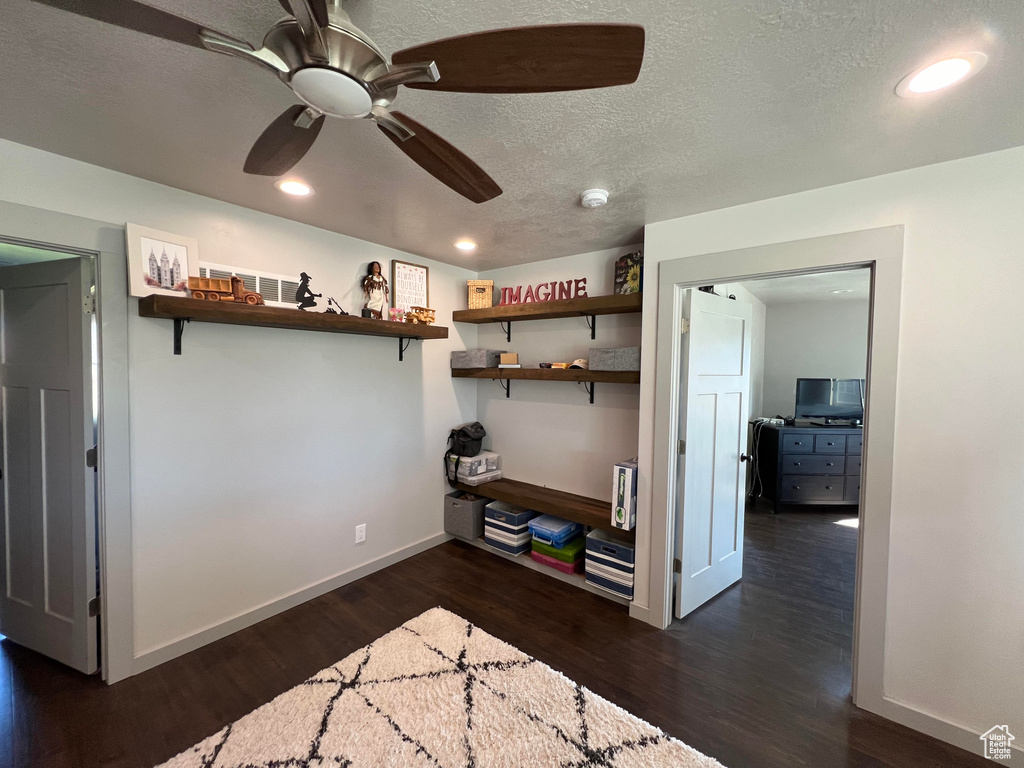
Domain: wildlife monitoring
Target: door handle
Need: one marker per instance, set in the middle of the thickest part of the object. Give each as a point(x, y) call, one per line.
point(744, 457)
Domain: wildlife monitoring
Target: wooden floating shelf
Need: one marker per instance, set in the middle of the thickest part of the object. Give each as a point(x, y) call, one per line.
point(182, 310)
point(590, 308)
point(575, 579)
point(549, 374)
point(617, 304)
point(579, 509)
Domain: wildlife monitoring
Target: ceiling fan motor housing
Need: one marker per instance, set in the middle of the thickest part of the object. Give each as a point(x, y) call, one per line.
point(338, 86)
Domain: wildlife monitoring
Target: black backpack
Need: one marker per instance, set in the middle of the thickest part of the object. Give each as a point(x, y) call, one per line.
point(464, 441)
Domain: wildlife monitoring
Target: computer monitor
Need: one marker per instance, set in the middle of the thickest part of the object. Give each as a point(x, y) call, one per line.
point(829, 399)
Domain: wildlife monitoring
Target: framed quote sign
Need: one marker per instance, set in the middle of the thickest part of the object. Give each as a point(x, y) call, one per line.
point(410, 285)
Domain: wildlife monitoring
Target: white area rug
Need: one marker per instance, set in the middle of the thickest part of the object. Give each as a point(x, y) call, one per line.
point(438, 691)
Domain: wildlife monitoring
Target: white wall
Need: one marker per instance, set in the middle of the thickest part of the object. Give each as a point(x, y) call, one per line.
point(954, 644)
point(548, 433)
point(256, 452)
point(811, 339)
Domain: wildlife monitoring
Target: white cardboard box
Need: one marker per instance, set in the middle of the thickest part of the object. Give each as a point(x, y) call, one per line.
point(624, 494)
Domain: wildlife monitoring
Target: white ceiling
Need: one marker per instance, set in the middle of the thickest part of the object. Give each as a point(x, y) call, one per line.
point(855, 284)
point(738, 100)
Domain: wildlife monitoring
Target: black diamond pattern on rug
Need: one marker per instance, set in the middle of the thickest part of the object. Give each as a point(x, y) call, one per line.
point(440, 692)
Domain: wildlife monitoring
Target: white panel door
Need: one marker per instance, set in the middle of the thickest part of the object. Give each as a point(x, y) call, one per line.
point(48, 494)
point(714, 392)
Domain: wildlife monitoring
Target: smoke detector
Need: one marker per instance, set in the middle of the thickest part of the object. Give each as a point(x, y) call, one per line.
point(594, 198)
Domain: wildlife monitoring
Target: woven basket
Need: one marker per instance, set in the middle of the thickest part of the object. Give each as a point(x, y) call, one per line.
point(480, 293)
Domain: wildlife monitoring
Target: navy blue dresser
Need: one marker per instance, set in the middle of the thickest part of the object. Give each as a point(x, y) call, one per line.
point(807, 464)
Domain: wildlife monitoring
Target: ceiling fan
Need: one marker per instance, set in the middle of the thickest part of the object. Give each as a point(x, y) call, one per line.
point(337, 71)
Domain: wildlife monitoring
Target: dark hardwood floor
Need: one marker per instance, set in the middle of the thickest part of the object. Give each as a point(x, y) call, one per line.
point(760, 676)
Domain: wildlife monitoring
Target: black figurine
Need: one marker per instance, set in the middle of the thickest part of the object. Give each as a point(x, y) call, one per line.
point(304, 295)
point(331, 310)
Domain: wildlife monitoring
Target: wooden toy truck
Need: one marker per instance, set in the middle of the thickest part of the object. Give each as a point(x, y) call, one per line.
point(223, 289)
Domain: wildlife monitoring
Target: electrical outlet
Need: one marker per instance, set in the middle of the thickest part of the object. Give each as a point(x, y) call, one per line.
point(360, 533)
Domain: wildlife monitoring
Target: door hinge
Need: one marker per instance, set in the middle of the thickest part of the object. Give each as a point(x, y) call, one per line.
point(682, 447)
point(89, 305)
point(677, 565)
point(684, 326)
point(94, 606)
point(92, 458)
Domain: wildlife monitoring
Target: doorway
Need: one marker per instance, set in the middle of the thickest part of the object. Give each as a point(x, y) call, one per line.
point(880, 251)
point(771, 414)
point(50, 414)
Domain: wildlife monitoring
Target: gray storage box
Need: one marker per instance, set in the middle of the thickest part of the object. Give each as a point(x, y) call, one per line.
point(464, 518)
point(476, 358)
point(616, 359)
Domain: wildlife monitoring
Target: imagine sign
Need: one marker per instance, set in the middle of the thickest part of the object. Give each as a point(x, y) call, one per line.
point(556, 291)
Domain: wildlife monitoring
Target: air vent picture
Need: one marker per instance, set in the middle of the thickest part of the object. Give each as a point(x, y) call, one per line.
point(160, 262)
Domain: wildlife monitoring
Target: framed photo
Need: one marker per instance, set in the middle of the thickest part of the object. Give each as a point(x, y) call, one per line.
point(410, 285)
point(159, 262)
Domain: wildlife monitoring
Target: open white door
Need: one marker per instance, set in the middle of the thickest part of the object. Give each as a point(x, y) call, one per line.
point(714, 391)
point(48, 499)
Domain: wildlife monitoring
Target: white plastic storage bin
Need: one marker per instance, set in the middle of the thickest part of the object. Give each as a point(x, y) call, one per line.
point(470, 466)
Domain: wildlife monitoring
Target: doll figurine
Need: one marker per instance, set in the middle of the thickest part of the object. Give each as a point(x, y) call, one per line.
point(376, 291)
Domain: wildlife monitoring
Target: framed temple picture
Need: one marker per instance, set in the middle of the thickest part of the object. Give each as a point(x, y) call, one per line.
point(410, 285)
point(159, 262)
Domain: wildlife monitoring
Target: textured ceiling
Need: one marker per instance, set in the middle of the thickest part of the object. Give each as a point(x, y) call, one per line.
point(816, 287)
point(738, 100)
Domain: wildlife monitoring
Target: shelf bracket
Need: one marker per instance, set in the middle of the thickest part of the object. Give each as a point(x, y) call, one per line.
point(592, 325)
point(506, 326)
point(179, 327)
point(403, 344)
point(506, 384)
point(590, 387)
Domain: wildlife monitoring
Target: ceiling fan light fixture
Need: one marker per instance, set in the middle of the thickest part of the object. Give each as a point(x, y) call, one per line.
point(294, 188)
point(941, 74)
point(465, 245)
point(332, 92)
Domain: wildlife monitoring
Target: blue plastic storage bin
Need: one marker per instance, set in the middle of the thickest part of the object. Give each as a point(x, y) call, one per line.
point(554, 531)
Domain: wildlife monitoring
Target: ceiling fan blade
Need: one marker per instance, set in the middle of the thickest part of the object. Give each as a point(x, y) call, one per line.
point(444, 162)
point(138, 17)
point(283, 144)
point(558, 57)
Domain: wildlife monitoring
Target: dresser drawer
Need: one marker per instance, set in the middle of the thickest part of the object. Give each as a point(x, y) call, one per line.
point(852, 464)
point(854, 443)
point(810, 489)
point(798, 443)
point(830, 443)
point(810, 464)
point(852, 489)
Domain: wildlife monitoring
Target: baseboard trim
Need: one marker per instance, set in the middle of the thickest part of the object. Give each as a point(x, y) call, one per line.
point(203, 637)
point(641, 613)
point(928, 724)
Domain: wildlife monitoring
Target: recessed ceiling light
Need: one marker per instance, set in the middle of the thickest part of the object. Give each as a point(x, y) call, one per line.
point(465, 245)
point(941, 74)
point(294, 188)
point(842, 290)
